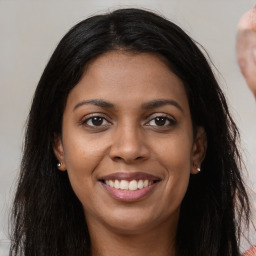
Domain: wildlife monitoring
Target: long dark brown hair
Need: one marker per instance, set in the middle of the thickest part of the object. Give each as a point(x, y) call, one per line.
point(48, 218)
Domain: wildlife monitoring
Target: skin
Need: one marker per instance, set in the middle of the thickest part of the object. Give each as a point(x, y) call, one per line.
point(251, 252)
point(246, 55)
point(246, 48)
point(130, 140)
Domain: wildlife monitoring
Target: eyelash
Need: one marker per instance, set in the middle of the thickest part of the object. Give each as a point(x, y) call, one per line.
point(171, 121)
point(100, 116)
point(166, 117)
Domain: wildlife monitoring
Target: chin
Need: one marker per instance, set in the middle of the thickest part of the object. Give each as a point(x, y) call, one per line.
point(135, 221)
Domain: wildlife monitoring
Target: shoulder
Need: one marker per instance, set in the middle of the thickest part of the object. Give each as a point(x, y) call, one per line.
point(251, 252)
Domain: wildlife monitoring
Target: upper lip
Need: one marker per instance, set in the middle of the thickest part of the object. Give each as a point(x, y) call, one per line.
point(130, 176)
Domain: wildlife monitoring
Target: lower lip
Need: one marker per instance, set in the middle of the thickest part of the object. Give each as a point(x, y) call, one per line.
point(130, 195)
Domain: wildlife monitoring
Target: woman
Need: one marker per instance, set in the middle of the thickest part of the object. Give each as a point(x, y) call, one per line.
point(130, 148)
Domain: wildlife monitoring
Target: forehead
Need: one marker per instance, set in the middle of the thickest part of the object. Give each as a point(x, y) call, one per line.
point(121, 77)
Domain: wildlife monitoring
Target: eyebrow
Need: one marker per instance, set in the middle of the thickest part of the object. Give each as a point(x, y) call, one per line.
point(147, 105)
point(160, 103)
point(99, 103)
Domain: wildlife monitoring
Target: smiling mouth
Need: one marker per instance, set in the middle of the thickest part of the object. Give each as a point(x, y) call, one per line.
point(129, 185)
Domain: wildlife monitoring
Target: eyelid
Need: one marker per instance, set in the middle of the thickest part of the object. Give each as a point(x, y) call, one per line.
point(149, 118)
point(172, 121)
point(98, 114)
point(157, 114)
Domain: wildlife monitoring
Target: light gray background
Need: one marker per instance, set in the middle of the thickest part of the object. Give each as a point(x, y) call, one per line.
point(30, 30)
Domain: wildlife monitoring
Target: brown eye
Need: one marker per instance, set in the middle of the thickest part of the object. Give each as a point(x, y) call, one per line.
point(95, 121)
point(160, 121)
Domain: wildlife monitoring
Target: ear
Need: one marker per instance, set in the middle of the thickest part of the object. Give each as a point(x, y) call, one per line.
point(198, 150)
point(59, 152)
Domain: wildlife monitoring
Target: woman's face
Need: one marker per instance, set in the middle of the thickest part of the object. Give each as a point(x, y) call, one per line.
point(127, 142)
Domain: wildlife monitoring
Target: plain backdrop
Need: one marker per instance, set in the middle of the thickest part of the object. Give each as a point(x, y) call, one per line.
point(30, 30)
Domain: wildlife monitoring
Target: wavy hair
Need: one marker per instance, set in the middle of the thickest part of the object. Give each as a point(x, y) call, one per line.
point(47, 216)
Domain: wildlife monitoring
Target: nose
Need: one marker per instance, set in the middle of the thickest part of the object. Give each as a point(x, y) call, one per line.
point(129, 145)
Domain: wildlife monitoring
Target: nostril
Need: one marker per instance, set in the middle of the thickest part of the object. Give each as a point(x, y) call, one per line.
point(128, 151)
point(118, 158)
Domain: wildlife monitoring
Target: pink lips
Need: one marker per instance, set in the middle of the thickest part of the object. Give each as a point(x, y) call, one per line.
point(130, 195)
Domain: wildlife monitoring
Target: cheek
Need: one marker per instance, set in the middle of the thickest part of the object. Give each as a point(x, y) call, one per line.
point(81, 152)
point(178, 173)
point(176, 188)
point(176, 184)
point(175, 153)
point(82, 156)
point(175, 156)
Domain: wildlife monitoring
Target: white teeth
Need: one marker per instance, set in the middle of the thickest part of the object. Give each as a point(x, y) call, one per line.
point(133, 185)
point(124, 184)
point(116, 184)
point(111, 183)
point(128, 185)
point(140, 184)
